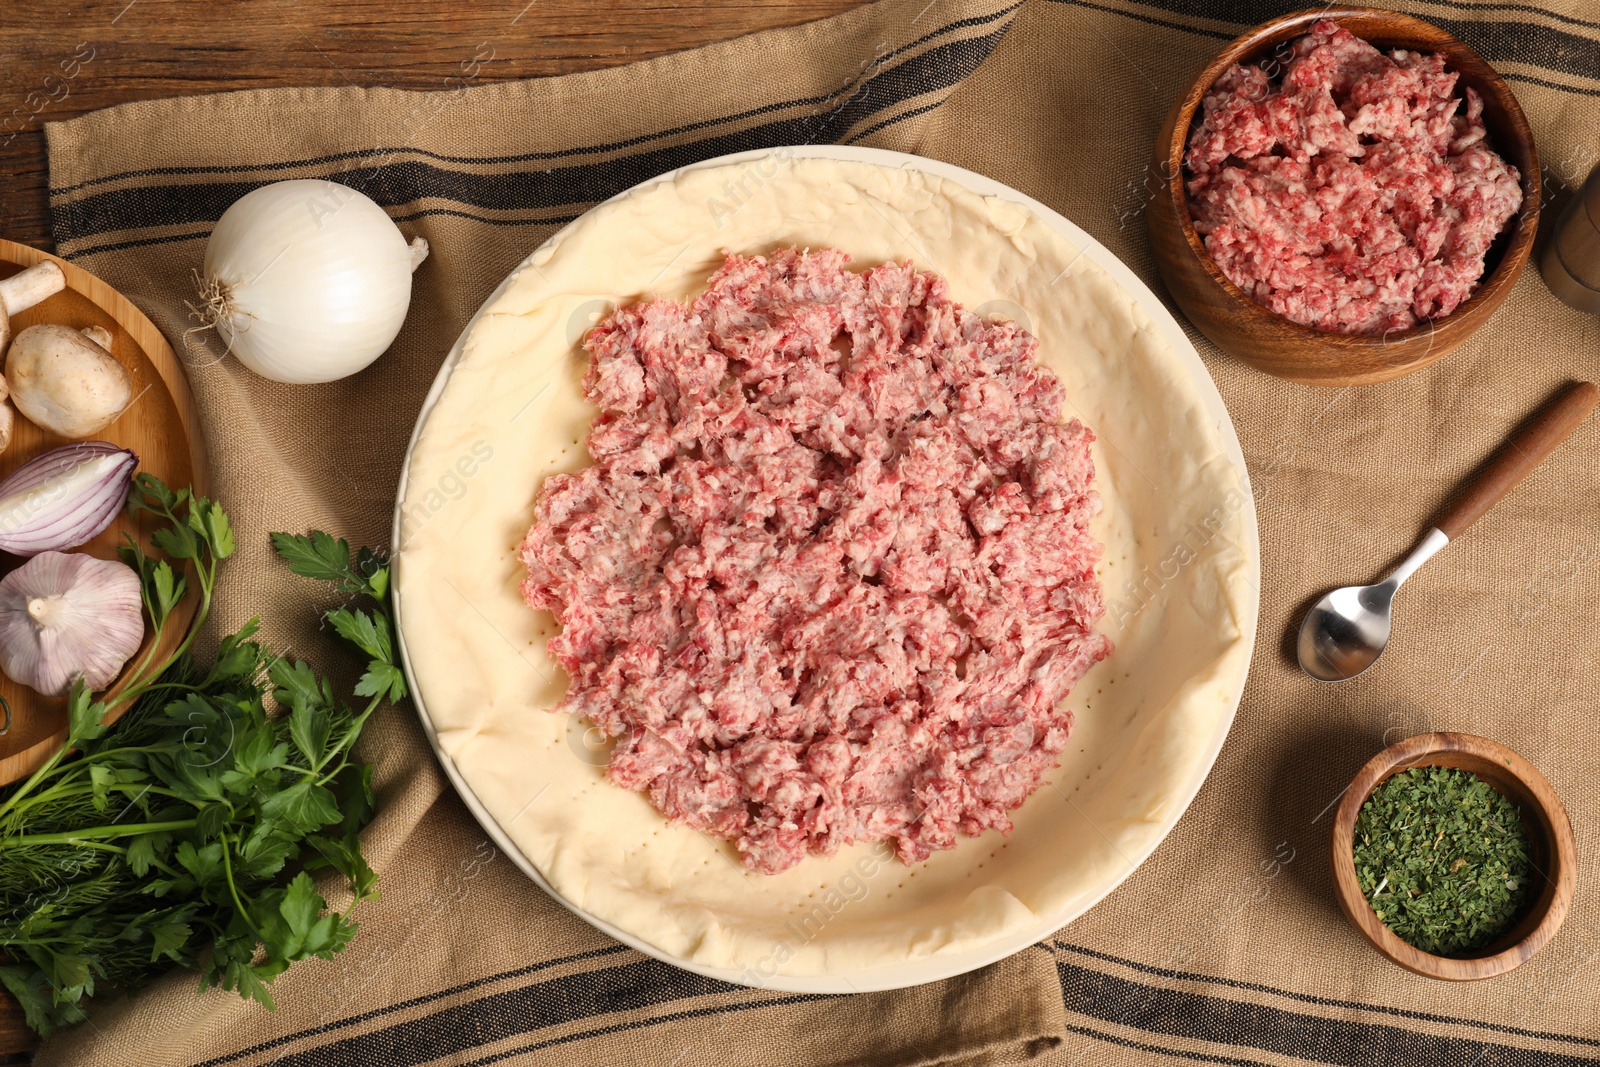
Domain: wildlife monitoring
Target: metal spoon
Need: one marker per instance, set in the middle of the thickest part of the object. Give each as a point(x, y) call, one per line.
point(1346, 631)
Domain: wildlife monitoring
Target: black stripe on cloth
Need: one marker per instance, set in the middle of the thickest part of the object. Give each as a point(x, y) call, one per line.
point(542, 220)
point(203, 233)
point(639, 1024)
point(1506, 40)
point(1305, 998)
point(886, 123)
point(1568, 19)
point(939, 68)
point(1147, 20)
point(1464, 5)
point(1198, 31)
point(139, 243)
point(531, 157)
point(197, 235)
point(497, 1017)
point(352, 1020)
point(1201, 1057)
point(1195, 1016)
point(1548, 84)
point(1529, 42)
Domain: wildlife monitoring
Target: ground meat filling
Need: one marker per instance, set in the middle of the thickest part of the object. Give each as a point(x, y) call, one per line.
point(1357, 195)
point(830, 575)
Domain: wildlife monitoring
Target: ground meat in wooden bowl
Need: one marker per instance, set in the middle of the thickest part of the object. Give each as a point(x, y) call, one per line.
point(829, 577)
point(1357, 195)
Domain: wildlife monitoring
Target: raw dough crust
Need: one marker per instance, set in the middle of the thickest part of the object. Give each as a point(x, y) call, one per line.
point(1177, 572)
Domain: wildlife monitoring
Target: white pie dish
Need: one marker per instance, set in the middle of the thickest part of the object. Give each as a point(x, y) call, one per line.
point(1169, 460)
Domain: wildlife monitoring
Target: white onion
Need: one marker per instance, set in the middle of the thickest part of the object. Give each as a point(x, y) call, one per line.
point(307, 280)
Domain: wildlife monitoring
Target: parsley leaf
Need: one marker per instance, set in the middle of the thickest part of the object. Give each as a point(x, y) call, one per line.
point(360, 629)
point(318, 555)
point(309, 725)
point(382, 680)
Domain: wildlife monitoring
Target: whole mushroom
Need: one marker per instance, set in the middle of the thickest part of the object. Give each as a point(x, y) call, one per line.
point(65, 380)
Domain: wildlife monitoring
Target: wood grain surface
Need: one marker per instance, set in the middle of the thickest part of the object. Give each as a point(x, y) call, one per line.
point(70, 57)
point(1552, 849)
point(1272, 343)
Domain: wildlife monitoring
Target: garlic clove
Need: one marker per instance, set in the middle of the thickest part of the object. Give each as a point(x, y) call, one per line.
point(65, 615)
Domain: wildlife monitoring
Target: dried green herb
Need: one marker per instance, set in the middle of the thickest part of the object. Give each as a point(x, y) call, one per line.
point(1442, 857)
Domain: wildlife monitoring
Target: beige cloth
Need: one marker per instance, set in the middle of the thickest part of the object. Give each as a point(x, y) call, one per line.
point(1226, 947)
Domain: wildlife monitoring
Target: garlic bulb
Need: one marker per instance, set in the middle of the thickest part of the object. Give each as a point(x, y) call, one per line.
point(307, 280)
point(63, 615)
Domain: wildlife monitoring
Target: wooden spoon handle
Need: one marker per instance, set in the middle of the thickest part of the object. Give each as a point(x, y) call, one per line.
point(1519, 456)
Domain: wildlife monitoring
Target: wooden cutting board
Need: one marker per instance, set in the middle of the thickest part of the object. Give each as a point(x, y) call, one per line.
point(161, 426)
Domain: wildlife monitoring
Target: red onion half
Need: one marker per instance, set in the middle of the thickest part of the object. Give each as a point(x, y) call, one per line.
point(63, 498)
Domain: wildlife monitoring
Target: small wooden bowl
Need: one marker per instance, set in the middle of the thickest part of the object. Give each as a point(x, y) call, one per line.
point(1551, 847)
point(1287, 349)
point(163, 429)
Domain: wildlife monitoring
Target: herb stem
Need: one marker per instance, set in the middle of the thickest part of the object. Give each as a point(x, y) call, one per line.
point(33, 780)
point(92, 757)
point(355, 729)
point(233, 890)
point(185, 686)
point(66, 788)
point(77, 837)
point(207, 573)
point(98, 846)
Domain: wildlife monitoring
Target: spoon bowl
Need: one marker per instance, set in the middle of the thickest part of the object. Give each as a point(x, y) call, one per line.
point(1346, 631)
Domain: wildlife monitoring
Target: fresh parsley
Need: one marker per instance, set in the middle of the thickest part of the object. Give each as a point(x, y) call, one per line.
point(1442, 857)
point(185, 834)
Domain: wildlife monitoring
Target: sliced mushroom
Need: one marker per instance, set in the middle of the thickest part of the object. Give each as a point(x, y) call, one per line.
point(65, 381)
point(25, 289)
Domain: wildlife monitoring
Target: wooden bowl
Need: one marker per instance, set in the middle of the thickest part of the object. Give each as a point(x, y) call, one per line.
point(1551, 848)
point(1287, 349)
point(163, 429)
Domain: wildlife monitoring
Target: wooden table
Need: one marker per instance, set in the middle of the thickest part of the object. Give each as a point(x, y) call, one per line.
point(118, 50)
point(126, 50)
